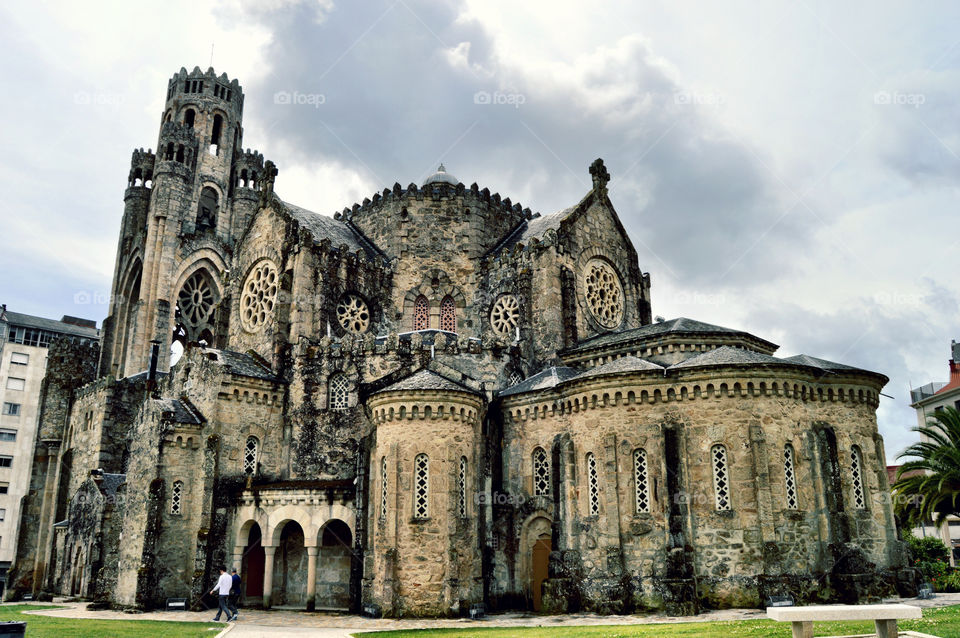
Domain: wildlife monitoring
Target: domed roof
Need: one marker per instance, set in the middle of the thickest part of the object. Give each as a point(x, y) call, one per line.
point(441, 176)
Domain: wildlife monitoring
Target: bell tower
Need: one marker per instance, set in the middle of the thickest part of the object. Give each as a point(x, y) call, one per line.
point(179, 225)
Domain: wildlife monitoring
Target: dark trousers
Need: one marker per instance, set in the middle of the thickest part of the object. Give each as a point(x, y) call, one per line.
point(225, 605)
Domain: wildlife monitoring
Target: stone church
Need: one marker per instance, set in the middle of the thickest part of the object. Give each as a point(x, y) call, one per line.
point(431, 400)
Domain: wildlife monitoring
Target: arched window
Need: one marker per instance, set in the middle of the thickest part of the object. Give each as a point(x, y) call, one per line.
point(339, 394)
point(462, 488)
point(421, 313)
point(593, 483)
point(176, 498)
point(251, 453)
point(217, 130)
point(207, 208)
point(790, 477)
point(383, 488)
point(448, 315)
point(421, 477)
point(721, 477)
point(189, 117)
point(856, 475)
point(541, 472)
point(640, 481)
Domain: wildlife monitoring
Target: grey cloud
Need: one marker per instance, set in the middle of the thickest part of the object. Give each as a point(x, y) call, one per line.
point(394, 106)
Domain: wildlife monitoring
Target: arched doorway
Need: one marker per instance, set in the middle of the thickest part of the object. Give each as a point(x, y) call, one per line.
point(539, 567)
point(333, 566)
point(533, 559)
point(290, 567)
point(253, 562)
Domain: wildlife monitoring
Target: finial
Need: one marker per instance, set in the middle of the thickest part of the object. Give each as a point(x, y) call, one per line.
point(441, 169)
point(599, 174)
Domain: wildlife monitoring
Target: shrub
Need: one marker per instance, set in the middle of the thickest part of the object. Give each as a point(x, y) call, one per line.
point(928, 549)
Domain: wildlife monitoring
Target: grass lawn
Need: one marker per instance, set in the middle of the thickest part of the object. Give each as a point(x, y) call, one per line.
point(943, 622)
point(49, 627)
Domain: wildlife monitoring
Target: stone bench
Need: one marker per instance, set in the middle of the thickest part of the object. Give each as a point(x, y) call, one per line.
point(884, 616)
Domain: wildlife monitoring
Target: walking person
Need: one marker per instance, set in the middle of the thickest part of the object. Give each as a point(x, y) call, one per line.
point(223, 587)
point(235, 594)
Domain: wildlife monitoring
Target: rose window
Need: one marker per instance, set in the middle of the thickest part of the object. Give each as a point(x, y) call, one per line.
point(505, 315)
point(195, 301)
point(353, 314)
point(259, 295)
point(603, 292)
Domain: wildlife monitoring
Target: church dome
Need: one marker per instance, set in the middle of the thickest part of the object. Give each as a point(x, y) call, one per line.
point(441, 176)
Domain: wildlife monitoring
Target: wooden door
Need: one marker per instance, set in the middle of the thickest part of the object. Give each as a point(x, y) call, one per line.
point(540, 561)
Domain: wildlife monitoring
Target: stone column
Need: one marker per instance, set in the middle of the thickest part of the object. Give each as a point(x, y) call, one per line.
point(238, 558)
point(311, 578)
point(268, 552)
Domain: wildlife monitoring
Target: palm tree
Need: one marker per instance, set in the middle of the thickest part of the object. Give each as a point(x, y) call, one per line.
point(934, 492)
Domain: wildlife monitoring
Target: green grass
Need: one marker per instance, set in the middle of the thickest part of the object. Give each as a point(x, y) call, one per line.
point(51, 627)
point(943, 622)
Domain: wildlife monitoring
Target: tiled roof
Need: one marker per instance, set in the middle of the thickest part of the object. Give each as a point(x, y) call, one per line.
point(241, 364)
point(623, 364)
point(533, 228)
point(545, 379)
point(728, 355)
point(112, 482)
point(183, 411)
point(323, 227)
point(426, 380)
point(51, 325)
point(680, 325)
point(814, 362)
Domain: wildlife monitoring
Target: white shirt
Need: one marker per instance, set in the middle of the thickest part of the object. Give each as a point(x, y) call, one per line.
point(225, 584)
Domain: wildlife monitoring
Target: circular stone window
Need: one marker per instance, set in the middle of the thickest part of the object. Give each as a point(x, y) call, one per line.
point(195, 300)
point(259, 295)
point(353, 313)
point(505, 315)
point(604, 293)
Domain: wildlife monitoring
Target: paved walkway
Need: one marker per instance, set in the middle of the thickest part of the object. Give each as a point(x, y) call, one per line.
point(281, 622)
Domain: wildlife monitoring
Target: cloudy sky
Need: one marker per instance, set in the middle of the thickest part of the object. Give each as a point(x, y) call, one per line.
point(789, 168)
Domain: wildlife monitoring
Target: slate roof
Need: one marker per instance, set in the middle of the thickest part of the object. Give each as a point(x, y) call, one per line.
point(728, 355)
point(242, 364)
point(545, 379)
point(112, 482)
point(426, 380)
point(183, 411)
point(623, 364)
point(823, 364)
point(324, 227)
point(533, 228)
point(680, 325)
point(51, 325)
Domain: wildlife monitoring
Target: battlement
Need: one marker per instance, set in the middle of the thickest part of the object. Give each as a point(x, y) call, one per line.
point(473, 195)
point(248, 171)
point(141, 168)
point(205, 84)
point(178, 143)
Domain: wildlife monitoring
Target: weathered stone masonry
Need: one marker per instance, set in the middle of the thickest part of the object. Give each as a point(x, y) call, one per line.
point(433, 399)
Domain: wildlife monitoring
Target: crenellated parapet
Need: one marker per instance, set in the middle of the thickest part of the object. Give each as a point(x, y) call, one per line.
point(141, 168)
point(247, 175)
point(206, 86)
